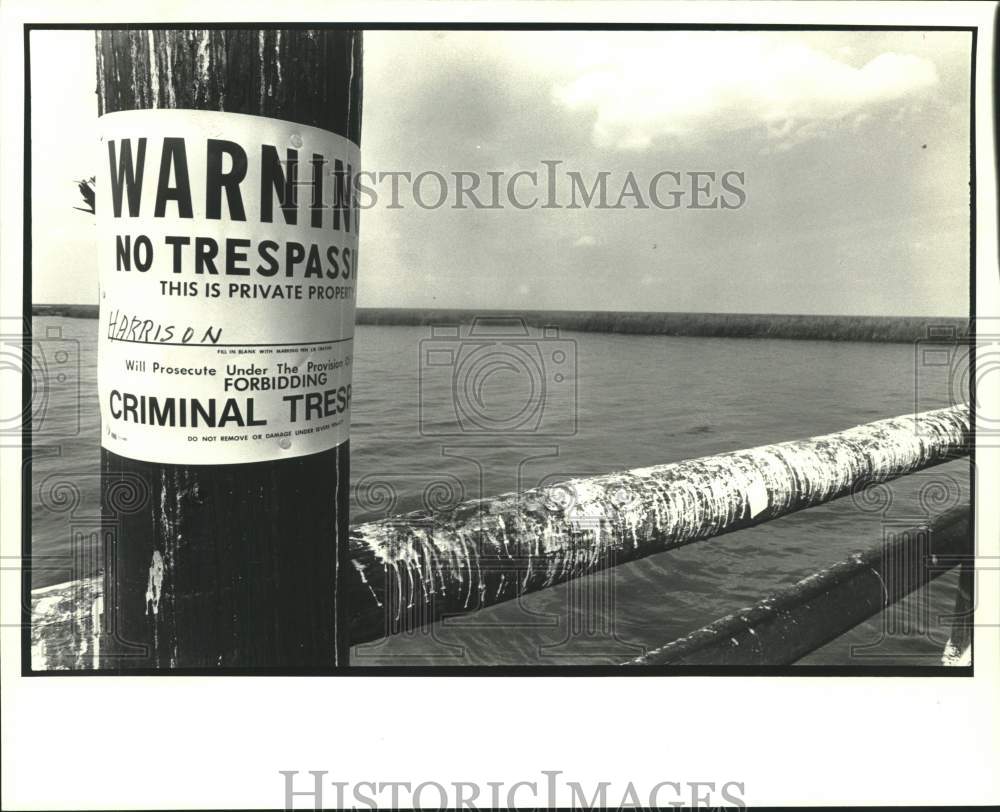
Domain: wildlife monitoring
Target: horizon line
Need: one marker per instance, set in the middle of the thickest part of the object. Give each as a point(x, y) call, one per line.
point(545, 310)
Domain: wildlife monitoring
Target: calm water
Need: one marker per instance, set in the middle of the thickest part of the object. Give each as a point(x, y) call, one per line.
point(637, 401)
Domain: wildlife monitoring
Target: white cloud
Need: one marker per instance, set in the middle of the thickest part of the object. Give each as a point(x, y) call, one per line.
point(585, 240)
point(683, 83)
point(643, 85)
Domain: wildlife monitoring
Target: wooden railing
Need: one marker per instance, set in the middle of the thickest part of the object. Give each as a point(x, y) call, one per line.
point(784, 627)
point(416, 568)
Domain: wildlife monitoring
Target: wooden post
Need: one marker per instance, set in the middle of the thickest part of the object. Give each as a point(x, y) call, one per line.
point(232, 565)
point(958, 649)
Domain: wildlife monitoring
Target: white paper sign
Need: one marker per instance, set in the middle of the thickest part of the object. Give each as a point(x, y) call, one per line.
point(228, 256)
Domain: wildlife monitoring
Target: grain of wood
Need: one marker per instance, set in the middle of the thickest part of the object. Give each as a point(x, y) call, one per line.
point(233, 565)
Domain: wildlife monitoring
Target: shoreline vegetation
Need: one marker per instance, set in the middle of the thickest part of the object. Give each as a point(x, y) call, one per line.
point(728, 325)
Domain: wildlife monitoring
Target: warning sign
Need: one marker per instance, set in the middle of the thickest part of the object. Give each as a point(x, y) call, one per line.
point(228, 251)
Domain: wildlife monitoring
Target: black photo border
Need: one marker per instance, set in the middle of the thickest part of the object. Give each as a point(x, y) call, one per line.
point(458, 670)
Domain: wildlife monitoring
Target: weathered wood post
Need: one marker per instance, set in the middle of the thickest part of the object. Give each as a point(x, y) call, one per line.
point(958, 649)
point(227, 313)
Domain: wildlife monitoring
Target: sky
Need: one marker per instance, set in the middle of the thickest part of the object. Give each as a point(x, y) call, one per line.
point(853, 149)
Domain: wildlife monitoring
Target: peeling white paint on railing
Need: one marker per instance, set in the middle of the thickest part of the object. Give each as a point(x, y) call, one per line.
point(481, 552)
point(66, 625)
